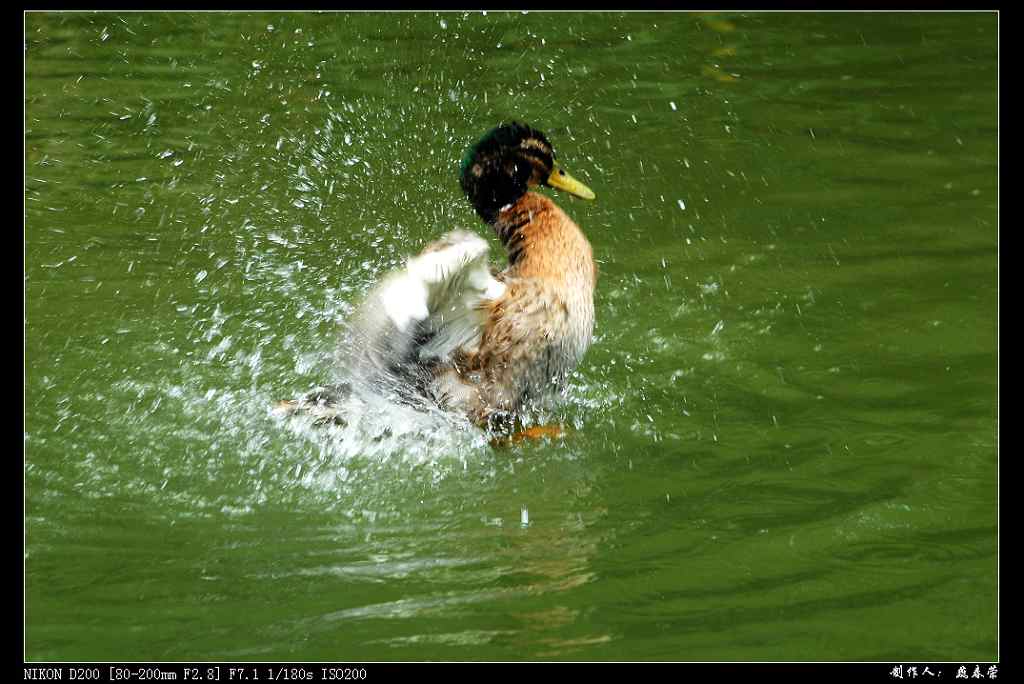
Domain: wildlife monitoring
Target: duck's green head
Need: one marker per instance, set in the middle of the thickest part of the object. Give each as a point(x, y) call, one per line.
point(508, 161)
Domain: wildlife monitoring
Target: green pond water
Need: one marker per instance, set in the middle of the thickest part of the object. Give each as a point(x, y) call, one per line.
point(781, 446)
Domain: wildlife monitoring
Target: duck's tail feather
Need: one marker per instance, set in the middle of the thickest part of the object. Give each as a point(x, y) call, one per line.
point(324, 404)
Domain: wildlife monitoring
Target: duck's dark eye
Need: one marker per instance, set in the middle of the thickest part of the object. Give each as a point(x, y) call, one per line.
point(561, 172)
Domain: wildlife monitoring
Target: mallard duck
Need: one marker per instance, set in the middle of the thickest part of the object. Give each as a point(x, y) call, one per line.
point(448, 330)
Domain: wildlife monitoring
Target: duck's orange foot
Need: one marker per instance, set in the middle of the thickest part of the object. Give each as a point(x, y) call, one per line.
point(539, 432)
point(535, 432)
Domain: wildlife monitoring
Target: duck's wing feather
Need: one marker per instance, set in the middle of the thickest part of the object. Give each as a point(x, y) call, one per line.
point(435, 305)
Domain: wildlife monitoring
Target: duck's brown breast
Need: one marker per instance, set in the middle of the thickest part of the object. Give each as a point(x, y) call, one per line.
point(539, 330)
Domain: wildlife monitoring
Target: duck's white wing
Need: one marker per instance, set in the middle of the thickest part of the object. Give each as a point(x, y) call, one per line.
point(430, 308)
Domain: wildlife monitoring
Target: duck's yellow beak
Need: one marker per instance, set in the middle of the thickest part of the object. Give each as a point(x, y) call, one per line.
point(563, 181)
